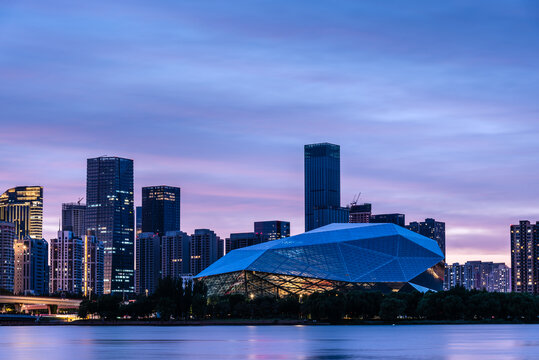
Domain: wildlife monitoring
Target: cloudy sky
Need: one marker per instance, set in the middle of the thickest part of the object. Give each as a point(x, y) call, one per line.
point(435, 106)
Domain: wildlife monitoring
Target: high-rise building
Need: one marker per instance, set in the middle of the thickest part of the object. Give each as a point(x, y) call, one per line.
point(92, 266)
point(175, 254)
point(23, 206)
point(7, 256)
point(272, 230)
point(525, 257)
point(360, 213)
point(323, 186)
point(74, 219)
point(66, 258)
point(478, 275)
point(241, 240)
point(160, 209)
point(397, 219)
point(138, 219)
point(147, 263)
point(110, 218)
point(31, 267)
point(204, 249)
point(430, 228)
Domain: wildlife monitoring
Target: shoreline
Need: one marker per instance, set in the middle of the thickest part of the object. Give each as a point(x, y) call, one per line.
point(240, 322)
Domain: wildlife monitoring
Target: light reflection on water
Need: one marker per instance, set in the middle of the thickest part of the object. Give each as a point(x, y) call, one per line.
point(448, 342)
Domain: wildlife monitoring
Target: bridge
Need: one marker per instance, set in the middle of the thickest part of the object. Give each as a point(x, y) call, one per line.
point(29, 303)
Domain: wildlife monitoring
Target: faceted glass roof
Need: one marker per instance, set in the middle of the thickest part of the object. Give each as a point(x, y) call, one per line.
point(357, 253)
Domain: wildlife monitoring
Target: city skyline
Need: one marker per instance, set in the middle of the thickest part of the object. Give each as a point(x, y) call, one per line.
point(432, 122)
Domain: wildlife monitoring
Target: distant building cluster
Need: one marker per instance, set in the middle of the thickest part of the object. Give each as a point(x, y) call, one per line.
point(477, 275)
point(104, 246)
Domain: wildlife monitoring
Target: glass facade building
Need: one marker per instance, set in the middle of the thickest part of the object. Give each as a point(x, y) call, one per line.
point(7, 255)
point(397, 219)
point(160, 209)
point(23, 206)
point(322, 183)
point(381, 257)
point(110, 218)
point(74, 219)
point(272, 230)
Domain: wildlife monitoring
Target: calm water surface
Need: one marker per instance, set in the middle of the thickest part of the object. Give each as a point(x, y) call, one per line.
point(271, 342)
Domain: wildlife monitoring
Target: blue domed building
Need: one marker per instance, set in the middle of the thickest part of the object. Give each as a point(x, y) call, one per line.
point(381, 257)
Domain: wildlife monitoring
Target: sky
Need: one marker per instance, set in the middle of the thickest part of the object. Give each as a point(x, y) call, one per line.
point(434, 104)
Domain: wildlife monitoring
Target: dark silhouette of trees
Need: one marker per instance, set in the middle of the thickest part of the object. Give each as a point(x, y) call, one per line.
point(171, 300)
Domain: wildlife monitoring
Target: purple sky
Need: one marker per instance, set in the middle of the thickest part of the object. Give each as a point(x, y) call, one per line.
point(435, 106)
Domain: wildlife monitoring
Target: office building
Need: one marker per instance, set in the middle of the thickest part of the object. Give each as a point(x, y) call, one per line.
point(74, 219)
point(342, 257)
point(525, 257)
point(323, 186)
point(478, 275)
point(23, 206)
point(7, 256)
point(160, 209)
point(360, 213)
point(272, 230)
point(110, 218)
point(92, 266)
point(31, 267)
point(204, 249)
point(138, 219)
point(430, 228)
point(175, 254)
point(397, 219)
point(241, 240)
point(147, 263)
point(66, 257)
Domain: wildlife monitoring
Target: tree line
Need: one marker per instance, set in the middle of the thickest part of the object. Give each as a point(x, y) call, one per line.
point(173, 301)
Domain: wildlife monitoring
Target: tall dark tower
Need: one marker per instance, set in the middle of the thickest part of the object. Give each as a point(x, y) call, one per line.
point(160, 209)
point(323, 186)
point(110, 217)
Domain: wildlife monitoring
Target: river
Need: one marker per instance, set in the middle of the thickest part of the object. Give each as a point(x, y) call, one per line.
point(270, 342)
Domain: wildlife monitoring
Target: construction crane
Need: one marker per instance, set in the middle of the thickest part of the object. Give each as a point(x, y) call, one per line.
point(80, 199)
point(355, 199)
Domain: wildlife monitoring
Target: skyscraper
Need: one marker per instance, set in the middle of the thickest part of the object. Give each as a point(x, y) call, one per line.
point(31, 266)
point(272, 230)
point(204, 249)
point(66, 269)
point(23, 206)
point(147, 263)
point(175, 254)
point(74, 219)
point(7, 255)
point(110, 217)
point(525, 257)
point(360, 213)
point(138, 219)
point(92, 266)
point(160, 209)
point(323, 186)
point(430, 228)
